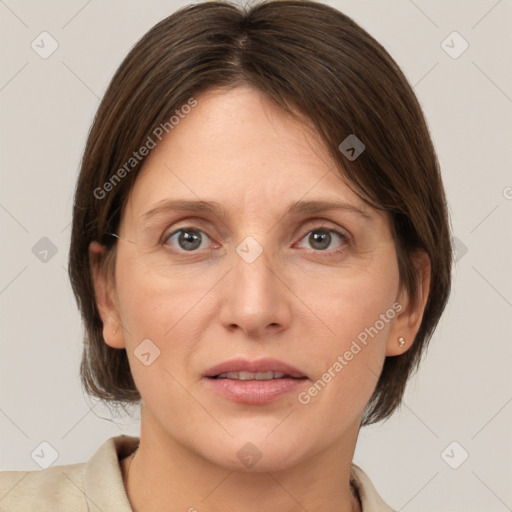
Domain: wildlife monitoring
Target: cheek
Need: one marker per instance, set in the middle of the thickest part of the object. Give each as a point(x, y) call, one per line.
point(356, 313)
point(149, 309)
point(169, 310)
point(350, 303)
point(153, 304)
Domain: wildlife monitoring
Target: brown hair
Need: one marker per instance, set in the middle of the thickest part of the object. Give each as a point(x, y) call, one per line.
point(317, 64)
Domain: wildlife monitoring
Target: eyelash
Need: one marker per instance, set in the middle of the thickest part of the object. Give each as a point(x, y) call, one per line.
point(345, 240)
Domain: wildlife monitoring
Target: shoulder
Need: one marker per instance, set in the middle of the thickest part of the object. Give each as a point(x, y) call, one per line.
point(48, 488)
point(95, 484)
point(370, 498)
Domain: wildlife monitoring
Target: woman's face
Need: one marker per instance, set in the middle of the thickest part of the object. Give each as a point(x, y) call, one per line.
point(263, 276)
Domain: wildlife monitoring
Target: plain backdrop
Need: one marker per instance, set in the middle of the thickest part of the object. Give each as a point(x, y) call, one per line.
point(460, 402)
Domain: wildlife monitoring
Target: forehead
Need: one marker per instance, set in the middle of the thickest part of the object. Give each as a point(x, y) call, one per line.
point(237, 148)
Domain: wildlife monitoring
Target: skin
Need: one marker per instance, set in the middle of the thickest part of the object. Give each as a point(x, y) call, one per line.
point(295, 302)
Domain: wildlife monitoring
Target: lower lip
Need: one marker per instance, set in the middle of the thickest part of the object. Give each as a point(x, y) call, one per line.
point(255, 392)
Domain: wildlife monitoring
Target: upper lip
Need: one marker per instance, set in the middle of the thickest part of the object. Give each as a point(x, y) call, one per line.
point(259, 365)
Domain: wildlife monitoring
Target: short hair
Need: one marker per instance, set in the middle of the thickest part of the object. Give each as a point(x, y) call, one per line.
point(320, 67)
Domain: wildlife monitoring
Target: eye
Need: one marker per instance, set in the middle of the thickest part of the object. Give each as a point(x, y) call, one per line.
point(321, 238)
point(188, 239)
point(191, 239)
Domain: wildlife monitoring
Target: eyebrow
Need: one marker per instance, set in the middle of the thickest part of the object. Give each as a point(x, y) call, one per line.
point(215, 208)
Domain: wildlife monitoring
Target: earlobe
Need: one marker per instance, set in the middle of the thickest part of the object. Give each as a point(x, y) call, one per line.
point(407, 323)
point(105, 297)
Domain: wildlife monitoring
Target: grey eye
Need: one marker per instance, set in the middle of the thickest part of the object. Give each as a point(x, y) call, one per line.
point(188, 239)
point(320, 239)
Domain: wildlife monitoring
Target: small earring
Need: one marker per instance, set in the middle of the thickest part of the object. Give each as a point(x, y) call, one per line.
point(401, 342)
point(114, 333)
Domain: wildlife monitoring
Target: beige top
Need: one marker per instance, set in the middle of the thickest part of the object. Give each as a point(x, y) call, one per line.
point(97, 485)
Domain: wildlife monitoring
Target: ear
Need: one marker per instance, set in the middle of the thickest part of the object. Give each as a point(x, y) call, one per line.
point(407, 323)
point(105, 297)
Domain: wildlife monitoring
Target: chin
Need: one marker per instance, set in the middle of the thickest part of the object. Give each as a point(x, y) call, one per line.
point(257, 453)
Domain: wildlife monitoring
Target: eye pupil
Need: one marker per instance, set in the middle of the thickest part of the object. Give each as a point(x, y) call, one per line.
point(189, 241)
point(322, 237)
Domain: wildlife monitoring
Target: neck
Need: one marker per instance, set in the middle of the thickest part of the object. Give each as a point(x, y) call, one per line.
point(168, 477)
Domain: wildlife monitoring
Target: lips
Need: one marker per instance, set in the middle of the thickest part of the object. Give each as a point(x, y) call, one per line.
point(274, 369)
point(258, 382)
point(252, 376)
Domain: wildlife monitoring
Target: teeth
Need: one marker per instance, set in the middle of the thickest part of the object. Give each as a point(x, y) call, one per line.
point(251, 376)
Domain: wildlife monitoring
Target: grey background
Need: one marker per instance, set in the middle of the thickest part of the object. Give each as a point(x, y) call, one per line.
point(463, 390)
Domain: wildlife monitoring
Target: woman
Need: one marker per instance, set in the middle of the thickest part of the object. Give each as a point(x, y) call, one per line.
point(260, 253)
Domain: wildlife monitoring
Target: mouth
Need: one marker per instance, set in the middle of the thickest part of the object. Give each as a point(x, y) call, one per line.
point(254, 376)
point(254, 382)
point(259, 369)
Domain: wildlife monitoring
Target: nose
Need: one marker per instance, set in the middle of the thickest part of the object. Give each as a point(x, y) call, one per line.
point(255, 298)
